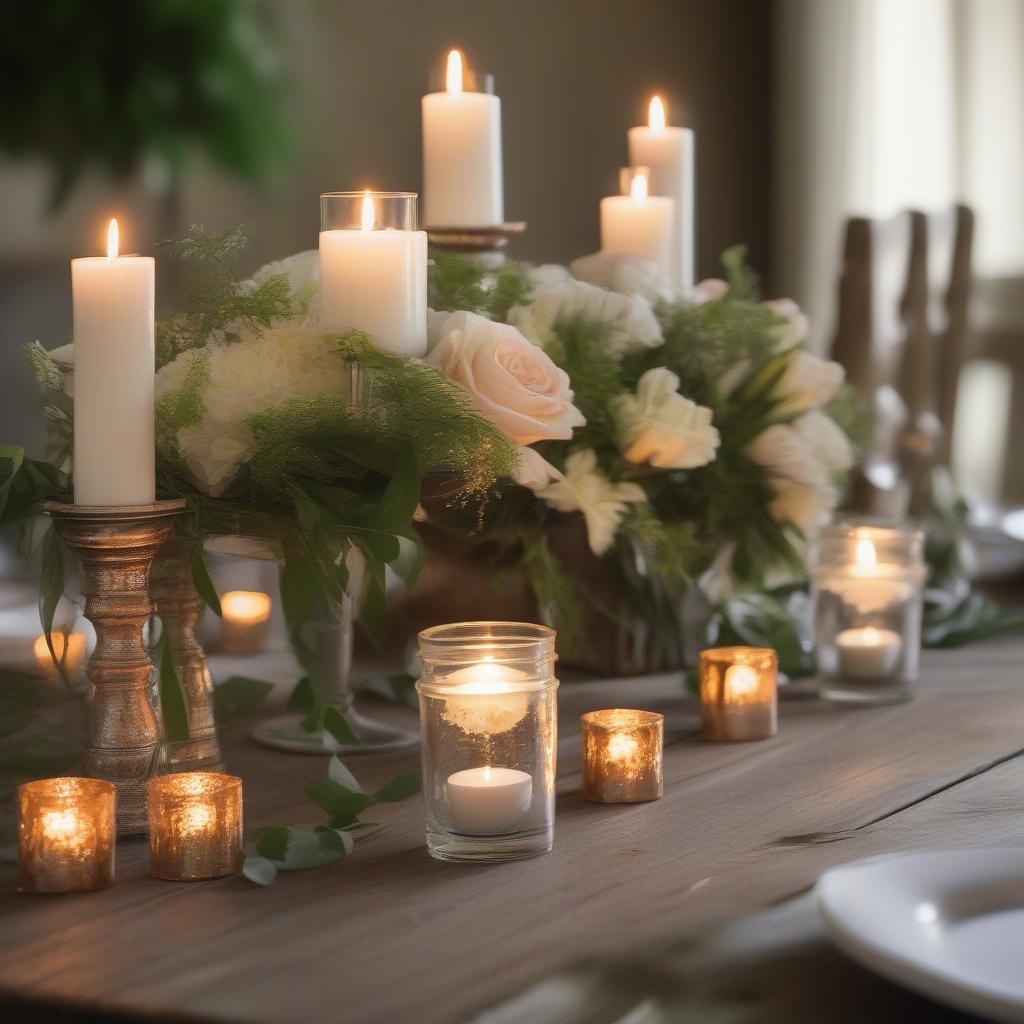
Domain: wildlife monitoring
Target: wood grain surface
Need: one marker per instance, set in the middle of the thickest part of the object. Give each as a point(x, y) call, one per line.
point(390, 935)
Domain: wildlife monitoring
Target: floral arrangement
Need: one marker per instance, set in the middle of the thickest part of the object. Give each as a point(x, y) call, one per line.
point(691, 437)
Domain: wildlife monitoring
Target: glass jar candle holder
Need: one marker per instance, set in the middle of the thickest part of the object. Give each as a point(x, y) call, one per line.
point(738, 693)
point(622, 754)
point(195, 825)
point(373, 269)
point(868, 601)
point(489, 728)
point(66, 835)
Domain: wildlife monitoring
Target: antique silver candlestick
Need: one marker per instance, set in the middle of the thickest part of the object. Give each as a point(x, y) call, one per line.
point(117, 546)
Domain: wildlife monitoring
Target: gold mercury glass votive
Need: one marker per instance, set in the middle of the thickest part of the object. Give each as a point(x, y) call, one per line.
point(195, 825)
point(622, 756)
point(738, 693)
point(66, 835)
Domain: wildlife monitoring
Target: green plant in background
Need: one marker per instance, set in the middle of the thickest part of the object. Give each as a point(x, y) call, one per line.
point(123, 85)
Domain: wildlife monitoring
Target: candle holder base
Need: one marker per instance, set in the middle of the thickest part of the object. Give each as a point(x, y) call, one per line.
point(286, 733)
point(456, 848)
point(485, 244)
point(117, 546)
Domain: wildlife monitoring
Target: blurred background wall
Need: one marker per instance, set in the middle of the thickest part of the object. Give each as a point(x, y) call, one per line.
point(573, 76)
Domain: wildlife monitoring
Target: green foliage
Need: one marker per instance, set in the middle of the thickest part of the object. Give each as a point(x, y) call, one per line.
point(460, 284)
point(238, 697)
point(276, 848)
point(156, 83)
point(172, 699)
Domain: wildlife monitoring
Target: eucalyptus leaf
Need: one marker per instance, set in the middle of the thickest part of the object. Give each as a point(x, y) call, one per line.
point(336, 799)
point(237, 697)
point(203, 584)
point(301, 698)
point(172, 699)
point(338, 726)
point(259, 869)
point(272, 842)
point(401, 787)
point(299, 590)
point(337, 772)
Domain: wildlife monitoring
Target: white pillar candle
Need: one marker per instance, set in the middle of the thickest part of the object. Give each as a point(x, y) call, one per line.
point(669, 153)
point(462, 179)
point(639, 225)
point(869, 653)
point(488, 801)
point(115, 451)
point(374, 279)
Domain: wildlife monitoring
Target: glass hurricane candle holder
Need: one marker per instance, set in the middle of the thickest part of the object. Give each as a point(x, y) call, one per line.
point(868, 599)
point(622, 753)
point(195, 826)
point(245, 619)
point(66, 835)
point(738, 693)
point(489, 725)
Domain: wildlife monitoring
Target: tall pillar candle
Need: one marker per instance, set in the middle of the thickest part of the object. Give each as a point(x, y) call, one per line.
point(639, 224)
point(373, 269)
point(669, 153)
point(462, 176)
point(113, 301)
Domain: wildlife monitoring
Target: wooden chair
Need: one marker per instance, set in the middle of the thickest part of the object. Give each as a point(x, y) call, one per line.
point(903, 337)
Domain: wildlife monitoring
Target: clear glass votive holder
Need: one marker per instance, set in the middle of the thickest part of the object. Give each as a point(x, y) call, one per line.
point(66, 835)
point(489, 729)
point(195, 825)
point(622, 754)
point(739, 693)
point(868, 602)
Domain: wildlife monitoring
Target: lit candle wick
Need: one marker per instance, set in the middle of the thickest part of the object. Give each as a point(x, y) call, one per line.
point(368, 215)
point(740, 681)
point(638, 187)
point(866, 556)
point(453, 74)
point(656, 114)
point(112, 239)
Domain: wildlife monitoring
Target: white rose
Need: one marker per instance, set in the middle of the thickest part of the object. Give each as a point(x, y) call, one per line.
point(711, 289)
point(585, 489)
point(826, 440)
point(557, 298)
point(804, 493)
point(509, 380)
point(808, 383)
point(658, 425)
point(621, 272)
point(795, 326)
point(534, 471)
point(303, 270)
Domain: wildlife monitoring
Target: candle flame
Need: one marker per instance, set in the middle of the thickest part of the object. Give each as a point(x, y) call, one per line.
point(245, 606)
point(60, 824)
point(369, 215)
point(740, 681)
point(453, 75)
point(638, 187)
point(656, 117)
point(112, 239)
point(866, 556)
point(622, 747)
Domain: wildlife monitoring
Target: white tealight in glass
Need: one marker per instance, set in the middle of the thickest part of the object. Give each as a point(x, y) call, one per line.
point(868, 596)
point(489, 723)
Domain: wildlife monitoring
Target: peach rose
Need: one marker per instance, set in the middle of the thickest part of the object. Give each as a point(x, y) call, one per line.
point(508, 379)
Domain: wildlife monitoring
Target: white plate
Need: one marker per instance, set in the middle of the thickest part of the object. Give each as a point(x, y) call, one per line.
point(950, 925)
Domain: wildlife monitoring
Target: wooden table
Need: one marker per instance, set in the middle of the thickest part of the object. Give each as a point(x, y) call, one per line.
point(390, 935)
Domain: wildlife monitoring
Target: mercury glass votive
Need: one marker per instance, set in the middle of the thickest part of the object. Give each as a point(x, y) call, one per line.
point(868, 601)
point(66, 835)
point(738, 693)
point(622, 756)
point(489, 724)
point(195, 825)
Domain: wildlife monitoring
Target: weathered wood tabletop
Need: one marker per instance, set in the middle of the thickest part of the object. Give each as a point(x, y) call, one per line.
point(390, 935)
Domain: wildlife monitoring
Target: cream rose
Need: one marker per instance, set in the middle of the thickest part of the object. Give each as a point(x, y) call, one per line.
point(795, 325)
point(507, 378)
point(658, 425)
point(808, 383)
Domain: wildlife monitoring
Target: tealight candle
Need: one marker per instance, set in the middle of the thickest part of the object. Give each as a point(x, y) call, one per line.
point(738, 693)
point(622, 753)
point(245, 617)
point(488, 801)
point(868, 652)
point(66, 835)
point(638, 224)
point(69, 649)
point(669, 153)
point(195, 825)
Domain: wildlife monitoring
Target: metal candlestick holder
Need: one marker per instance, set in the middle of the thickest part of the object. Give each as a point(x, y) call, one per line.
point(117, 546)
point(486, 245)
point(179, 607)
